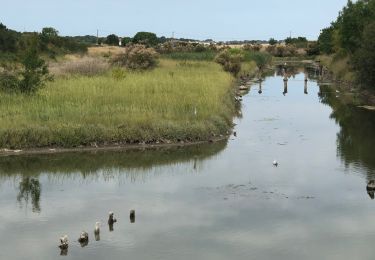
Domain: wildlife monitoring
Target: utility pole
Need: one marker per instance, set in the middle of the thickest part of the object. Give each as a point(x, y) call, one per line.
point(97, 36)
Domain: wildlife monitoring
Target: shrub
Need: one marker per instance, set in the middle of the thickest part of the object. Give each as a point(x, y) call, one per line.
point(260, 58)
point(9, 82)
point(252, 47)
point(137, 57)
point(313, 49)
point(179, 46)
point(281, 50)
point(34, 74)
point(230, 61)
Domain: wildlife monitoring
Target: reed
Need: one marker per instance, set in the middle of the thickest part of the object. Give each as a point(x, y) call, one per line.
point(176, 101)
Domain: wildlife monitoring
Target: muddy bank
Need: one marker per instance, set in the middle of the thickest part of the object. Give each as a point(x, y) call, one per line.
point(107, 147)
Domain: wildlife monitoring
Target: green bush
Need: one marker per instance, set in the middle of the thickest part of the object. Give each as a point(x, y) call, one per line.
point(9, 82)
point(30, 78)
point(34, 74)
point(137, 57)
point(364, 58)
point(230, 60)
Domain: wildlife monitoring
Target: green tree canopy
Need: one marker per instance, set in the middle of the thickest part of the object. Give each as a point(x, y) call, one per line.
point(364, 59)
point(112, 39)
point(146, 38)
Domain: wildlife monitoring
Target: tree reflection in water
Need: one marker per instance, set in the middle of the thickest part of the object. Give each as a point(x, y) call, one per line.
point(30, 188)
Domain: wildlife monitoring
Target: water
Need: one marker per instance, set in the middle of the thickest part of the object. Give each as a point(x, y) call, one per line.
point(217, 201)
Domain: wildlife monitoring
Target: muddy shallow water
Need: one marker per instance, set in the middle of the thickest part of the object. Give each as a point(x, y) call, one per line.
point(215, 201)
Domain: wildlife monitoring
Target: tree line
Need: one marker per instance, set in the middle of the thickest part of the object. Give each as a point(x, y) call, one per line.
point(353, 35)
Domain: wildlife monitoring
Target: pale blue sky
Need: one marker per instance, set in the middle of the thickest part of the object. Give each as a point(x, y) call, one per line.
point(199, 19)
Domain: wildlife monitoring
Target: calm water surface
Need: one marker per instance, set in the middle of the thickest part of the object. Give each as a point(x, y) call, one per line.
point(218, 201)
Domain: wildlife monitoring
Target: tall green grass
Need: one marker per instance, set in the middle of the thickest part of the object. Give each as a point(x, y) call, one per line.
point(139, 107)
point(197, 56)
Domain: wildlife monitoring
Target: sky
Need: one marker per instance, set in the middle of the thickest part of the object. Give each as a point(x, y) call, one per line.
point(198, 19)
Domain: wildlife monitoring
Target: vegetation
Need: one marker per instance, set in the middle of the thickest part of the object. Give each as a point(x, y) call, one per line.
point(112, 39)
point(48, 42)
point(137, 57)
point(86, 66)
point(198, 56)
point(272, 41)
point(364, 58)
point(176, 101)
point(350, 38)
point(30, 78)
point(299, 42)
point(232, 60)
point(146, 38)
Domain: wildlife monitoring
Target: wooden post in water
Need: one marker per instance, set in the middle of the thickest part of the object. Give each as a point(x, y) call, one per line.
point(260, 87)
point(305, 87)
point(132, 216)
point(285, 85)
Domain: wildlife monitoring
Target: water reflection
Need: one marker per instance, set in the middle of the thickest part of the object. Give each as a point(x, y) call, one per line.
point(356, 139)
point(260, 87)
point(64, 251)
point(30, 188)
point(92, 165)
point(370, 188)
point(88, 164)
point(97, 236)
point(285, 86)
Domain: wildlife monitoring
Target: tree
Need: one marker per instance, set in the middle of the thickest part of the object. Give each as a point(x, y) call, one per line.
point(351, 23)
point(325, 40)
point(272, 41)
point(49, 32)
point(112, 39)
point(8, 39)
point(146, 38)
point(126, 40)
point(35, 72)
point(364, 59)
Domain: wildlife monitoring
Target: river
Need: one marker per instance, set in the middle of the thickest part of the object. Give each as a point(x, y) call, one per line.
point(217, 201)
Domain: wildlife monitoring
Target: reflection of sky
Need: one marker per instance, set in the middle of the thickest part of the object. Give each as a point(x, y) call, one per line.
point(182, 213)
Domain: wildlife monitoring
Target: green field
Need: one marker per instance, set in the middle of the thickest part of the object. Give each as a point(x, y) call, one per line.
point(177, 101)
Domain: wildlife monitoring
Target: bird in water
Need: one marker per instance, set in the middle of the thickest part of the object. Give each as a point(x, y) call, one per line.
point(64, 243)
point(275, 163)
point(97, 228)
point(83, 238)
point(111, 219)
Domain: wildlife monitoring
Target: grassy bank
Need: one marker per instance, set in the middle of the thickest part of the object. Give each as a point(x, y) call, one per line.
point(339, 66)
point(176, 101)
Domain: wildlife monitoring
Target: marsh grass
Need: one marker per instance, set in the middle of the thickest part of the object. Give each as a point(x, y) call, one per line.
point(140, 107)
point(87, 66)
point(208, 55)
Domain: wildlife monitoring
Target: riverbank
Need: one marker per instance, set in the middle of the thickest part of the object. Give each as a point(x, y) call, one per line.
point(177, 102)
point(337, 71)
point(107, 147)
